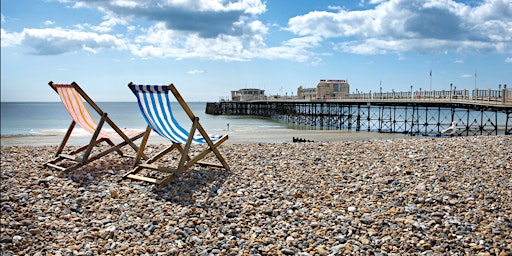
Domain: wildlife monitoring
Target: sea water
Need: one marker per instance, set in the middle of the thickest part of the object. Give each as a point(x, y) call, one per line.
point(51, 118)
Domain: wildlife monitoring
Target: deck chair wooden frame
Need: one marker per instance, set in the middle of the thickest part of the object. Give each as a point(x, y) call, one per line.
point(154, 103)
point(73, 97)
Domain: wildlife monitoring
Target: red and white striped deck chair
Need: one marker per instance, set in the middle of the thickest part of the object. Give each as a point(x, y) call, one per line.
point(73, 97)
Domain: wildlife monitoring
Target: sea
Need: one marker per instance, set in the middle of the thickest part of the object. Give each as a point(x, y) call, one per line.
point(19, 119)
point(50, 118)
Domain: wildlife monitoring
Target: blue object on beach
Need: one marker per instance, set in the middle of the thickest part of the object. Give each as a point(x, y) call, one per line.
point(155, 105)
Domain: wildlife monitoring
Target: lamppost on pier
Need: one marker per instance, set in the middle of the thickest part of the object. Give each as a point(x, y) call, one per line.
point(411, 93)
point(451, 90)
point(499, 90)
point(505, 95)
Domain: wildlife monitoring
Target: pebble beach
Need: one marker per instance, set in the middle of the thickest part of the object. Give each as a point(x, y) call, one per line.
point(402, 196)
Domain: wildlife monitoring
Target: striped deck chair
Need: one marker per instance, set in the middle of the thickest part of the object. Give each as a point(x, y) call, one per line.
point(155, 106)
point(72, 96)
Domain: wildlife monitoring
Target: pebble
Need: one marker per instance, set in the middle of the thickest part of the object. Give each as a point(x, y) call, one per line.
point(433, 196)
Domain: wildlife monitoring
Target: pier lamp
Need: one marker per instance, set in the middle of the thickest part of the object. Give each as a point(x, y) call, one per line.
point(451, 90)
point(411, 93)
point(499, 90)
point(504, 88)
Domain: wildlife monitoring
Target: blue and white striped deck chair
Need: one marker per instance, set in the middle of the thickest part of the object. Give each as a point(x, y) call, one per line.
point(155, 105)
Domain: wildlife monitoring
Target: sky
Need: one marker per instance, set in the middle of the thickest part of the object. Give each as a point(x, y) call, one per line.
point(207, 48)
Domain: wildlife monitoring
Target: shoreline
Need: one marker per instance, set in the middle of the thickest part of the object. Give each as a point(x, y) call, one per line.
point(235, 137)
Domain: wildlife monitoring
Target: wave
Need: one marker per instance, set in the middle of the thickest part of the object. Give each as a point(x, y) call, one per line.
point(77, 132)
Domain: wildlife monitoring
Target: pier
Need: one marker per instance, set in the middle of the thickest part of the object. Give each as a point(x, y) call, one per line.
point(427, 113)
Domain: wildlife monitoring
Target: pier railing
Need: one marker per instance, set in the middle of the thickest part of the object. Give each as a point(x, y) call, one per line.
point(478, 96)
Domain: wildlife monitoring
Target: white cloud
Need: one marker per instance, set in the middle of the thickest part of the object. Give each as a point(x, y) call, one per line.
point(508, 60)
point(405, 25)
point(208, 18)
point(51, 41)
point(10, 39)
point(231, 30)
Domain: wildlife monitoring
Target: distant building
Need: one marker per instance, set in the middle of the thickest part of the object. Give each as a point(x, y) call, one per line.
point(306, 93)
point(325, 89)
point(249, 94)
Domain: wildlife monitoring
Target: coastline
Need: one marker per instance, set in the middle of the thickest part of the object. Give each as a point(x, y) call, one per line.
point(432, 196)
point(235, 137)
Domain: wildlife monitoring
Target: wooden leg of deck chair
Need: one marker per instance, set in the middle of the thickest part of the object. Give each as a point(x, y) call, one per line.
point(138, 166)
point(66, 138)
point(136, 137)
point(148, 164)
point(219, 155)
point(163, 152)
point(129, 141)
point(112, 144)
point(203, 153)
point(92, 143)
point(213, 146)
point(186, 149)
point(142, 146)
point(184, 163)
point(108, 151)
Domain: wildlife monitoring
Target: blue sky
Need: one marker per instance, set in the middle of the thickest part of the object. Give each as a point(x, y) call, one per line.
point(209, 47)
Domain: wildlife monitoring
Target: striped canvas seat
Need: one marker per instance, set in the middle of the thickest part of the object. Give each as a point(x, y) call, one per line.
point(78, 111)
point(75, 100)
point(155, 106)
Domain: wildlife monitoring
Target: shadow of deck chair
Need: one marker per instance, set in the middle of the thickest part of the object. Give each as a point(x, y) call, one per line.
point(73, 97)
point(155, 105)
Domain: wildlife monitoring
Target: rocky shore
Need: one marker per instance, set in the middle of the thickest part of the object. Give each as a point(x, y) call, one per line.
point(432, 196)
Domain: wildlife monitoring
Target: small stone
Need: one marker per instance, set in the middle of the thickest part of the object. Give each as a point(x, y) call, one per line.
point(426, 246)
point(288, 251)
point(6, 240)
point(231, 215)
point(17, 239)
point(196, 240)
point(321, 250)
point(354, 199)
point(114, 193)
